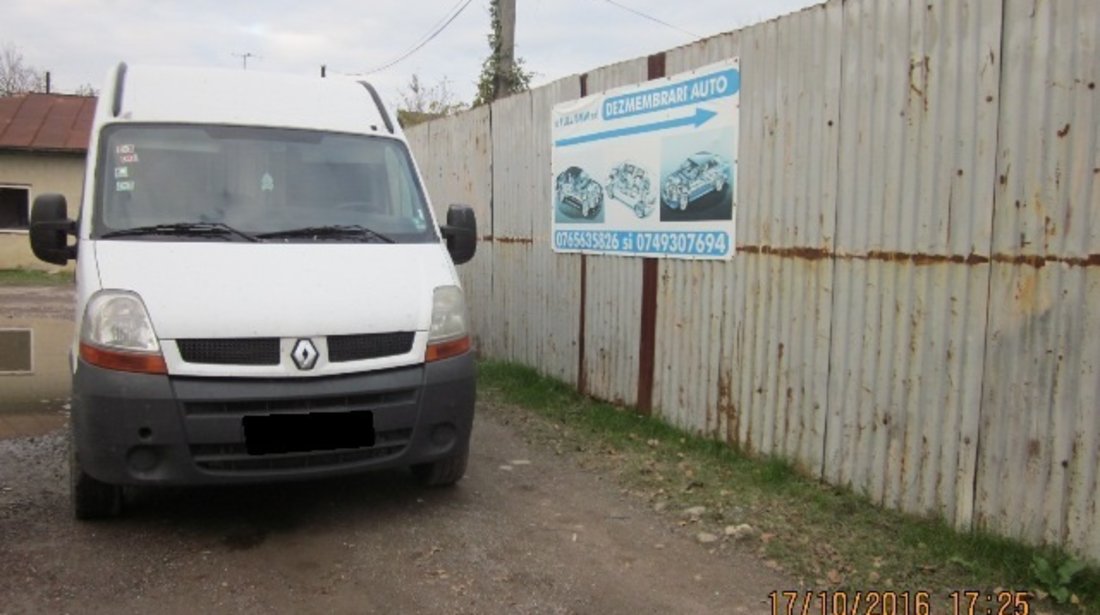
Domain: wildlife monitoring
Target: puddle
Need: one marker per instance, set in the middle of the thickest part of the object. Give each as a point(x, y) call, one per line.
point(44, 387)
point(30, 425)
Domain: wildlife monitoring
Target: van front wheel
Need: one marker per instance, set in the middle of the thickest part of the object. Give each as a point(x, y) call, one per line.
point(92, 499)
point(443, 472)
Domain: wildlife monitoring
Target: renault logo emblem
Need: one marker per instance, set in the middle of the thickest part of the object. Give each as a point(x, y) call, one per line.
point(304, 354)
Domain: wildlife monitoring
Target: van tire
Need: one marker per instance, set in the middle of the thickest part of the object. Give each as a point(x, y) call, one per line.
point(92, 499)
point(442, 472)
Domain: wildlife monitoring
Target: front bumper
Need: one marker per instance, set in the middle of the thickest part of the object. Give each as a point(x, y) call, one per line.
point(142, 429)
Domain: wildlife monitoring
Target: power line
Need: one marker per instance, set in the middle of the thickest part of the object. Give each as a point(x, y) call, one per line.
point(435, 26)
point(652, 18)
point(424, 40)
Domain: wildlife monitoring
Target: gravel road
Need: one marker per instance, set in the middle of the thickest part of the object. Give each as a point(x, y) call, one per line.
point(527, 531)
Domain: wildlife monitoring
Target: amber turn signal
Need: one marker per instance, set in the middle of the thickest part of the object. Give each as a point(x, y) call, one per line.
point(145, 363)
point(448, 349)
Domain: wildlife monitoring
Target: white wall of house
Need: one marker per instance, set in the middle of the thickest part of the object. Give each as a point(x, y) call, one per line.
point(39, 173)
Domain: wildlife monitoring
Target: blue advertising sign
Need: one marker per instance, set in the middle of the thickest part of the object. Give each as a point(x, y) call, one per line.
point(651, 169)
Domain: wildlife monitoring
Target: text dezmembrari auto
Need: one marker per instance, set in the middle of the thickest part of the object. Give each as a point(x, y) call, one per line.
point(698, 176)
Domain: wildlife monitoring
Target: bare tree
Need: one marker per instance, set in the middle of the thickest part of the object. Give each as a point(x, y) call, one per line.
point(86, 90)
point(16, 76)
point(420, 102)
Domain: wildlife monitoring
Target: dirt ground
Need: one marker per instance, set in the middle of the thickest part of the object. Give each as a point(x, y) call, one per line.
point(32, 302)
point(527, 531)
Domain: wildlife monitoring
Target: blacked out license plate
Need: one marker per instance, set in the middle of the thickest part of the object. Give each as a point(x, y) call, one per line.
point(314, 431)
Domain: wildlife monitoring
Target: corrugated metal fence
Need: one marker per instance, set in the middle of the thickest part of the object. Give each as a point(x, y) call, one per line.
point(914, 309)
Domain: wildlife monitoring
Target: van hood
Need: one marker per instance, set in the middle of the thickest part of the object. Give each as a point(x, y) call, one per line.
point(202, 289)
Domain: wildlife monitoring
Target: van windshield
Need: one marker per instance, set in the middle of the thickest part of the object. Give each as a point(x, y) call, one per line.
point(200, 183)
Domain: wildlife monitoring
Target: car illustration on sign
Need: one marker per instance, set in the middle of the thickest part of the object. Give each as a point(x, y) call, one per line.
point(629, 184)
point(578, 193)
point(698, 176)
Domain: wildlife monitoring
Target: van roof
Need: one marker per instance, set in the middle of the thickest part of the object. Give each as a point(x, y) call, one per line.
point(143, 93)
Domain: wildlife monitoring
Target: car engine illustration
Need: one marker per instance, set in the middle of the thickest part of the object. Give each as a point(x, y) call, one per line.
point(629, 184)
point(578, 193)
point(698, 176)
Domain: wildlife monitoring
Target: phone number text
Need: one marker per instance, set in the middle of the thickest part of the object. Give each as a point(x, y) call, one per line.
point(714, 244)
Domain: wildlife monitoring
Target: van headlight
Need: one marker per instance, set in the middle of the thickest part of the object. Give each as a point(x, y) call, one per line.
point(116, 333)
point(449, 335)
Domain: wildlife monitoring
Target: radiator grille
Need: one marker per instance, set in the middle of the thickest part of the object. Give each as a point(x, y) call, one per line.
point(368, 346)
point(229, 351)
point(265, 350)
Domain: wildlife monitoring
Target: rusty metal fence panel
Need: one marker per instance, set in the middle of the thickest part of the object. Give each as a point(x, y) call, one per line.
point(455, 158)
point(791, 113)
point(554, 279)
point(914, 215)
point(1040, 410)
point(912, 308)
point(512, 219)
point(696, 318)
point(613, 309)
point(766, 391)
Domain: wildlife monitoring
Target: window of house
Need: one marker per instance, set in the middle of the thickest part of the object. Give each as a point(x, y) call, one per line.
point(15, 207)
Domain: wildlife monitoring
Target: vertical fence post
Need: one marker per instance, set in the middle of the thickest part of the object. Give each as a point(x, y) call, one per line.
point(647, 340)
point(582, 378)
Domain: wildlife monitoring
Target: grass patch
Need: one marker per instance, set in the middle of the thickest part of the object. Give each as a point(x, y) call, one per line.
point(34, 277)
point(824, 536)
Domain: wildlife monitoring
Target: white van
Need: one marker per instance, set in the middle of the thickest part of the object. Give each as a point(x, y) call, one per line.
point(263, 292)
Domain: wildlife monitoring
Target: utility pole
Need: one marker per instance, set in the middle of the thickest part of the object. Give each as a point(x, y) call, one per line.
point(502, 83)
point(244, 58)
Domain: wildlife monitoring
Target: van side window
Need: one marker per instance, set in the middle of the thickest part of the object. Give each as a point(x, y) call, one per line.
point(401, 201)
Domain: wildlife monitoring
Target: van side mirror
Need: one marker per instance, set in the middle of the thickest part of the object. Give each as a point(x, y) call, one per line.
point(460, 233)
point(50, 229)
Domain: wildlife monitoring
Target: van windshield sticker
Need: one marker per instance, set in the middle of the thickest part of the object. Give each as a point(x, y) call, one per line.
point(125, 148)
point(267, 183)
point(122, 172)
point(124, 186)
point(127, 158)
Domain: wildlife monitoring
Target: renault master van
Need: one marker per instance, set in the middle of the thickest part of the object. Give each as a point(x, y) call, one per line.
point(263, 290)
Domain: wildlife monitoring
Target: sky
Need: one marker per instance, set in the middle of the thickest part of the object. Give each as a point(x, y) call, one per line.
point(78, 41)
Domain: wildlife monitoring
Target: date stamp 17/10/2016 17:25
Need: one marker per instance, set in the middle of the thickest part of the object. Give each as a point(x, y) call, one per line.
point(962, 602)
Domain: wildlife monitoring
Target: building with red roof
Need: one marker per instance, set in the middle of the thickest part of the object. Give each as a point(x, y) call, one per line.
point(43, 148)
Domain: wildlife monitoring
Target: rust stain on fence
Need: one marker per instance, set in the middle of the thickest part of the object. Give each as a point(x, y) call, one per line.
point(1041, 260)
point(728, 409)
point(925, 67)
point(519, 240)
point(920, 258)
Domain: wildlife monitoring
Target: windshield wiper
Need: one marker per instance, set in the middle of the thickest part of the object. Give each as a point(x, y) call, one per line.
point(331, 231)
point(186, 229)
